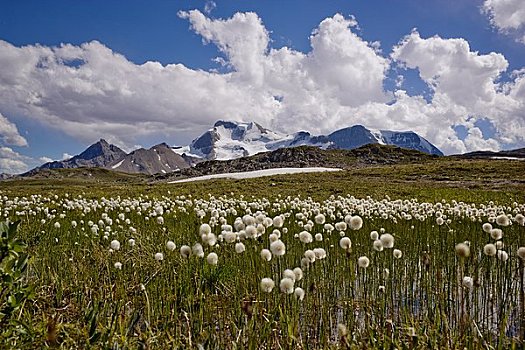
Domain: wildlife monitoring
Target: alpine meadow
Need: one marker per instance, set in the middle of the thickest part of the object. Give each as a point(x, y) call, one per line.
point(264, 174)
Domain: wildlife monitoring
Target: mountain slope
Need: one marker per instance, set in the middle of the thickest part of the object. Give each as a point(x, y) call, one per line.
point(304, 157)
point(99, 154)
point(157, 159)
point(515, 153)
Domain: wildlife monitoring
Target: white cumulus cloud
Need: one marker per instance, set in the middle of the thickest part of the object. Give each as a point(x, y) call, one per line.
point(12, 162)
point(90, 91)
point(508, 16)
point(466, 89)
point(505, 14)
point(9, 133)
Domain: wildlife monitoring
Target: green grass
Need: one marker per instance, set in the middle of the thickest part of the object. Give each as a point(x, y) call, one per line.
point(84, 301)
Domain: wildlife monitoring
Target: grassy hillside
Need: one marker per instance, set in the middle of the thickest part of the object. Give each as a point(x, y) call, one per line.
point(429, 179)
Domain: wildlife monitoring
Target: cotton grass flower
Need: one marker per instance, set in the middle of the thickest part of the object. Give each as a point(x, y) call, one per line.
point(503, 255)
point(462, 250)
point(278, 221)
point(170, 246)
point(197, 250)
point(378, 245)
point(355, 223)
point(489, 249)
point(388, 240)
point(468, 282)
point(374, 235)
point(298, 273)
point(211, 239)
point(278, 248)
point(205, 229)
point(318, 237)
point(496, 234)
point(239, 248)
point(320, 219)
point(273, 237)
point(185, 251)
point(310, 255)
point(487, 227)
point(286, 285)
point(289, 274)
point(320, 253)
point(397, 253)
point(521, 253)
point(502, 220)
point(131, 242)
point(229, 237)
point(520, 219)
point(345, 243)
point(266, 255)
point(115, 245)
point(299, 293)
point(305, 237)
point(118, 265)
point(212, 258)
point(159, 256)
point(340, 226)
point(251, 231)
point(305, 263)
point(267, 285)
point(363, 262)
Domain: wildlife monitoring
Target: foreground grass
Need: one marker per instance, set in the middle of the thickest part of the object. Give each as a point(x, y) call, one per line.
point(83, 300)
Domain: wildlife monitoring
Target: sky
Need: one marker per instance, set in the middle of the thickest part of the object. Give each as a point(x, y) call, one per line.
point(138, 73)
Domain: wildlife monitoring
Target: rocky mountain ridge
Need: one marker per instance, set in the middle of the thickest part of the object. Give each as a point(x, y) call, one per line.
point(229, 140)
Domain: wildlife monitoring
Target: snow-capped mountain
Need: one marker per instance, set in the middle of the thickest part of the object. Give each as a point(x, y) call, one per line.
point(229, 140)
point(358, 135)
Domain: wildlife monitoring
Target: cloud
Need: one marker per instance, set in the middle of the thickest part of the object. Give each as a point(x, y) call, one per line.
point(66, 156)
point(90, 91)
point(505, 14)
point(508, 16)
point(9, 133)
point(465, 89)
point(209, 6)
point(45, 159)
point(12, 162)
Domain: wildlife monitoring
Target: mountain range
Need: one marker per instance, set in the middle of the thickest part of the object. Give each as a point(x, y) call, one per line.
point(231, 140)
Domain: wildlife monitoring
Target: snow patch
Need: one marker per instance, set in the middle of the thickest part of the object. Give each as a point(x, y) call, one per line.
point(507, 158)
point(118, 164)
point(257, 173)
point(185, 150)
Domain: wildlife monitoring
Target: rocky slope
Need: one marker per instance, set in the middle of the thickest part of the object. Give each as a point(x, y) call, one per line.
point(303, 157)
point(157, 159)
point(99, 154)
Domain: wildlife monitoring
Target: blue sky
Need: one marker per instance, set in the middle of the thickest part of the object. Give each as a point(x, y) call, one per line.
point(344, 80)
